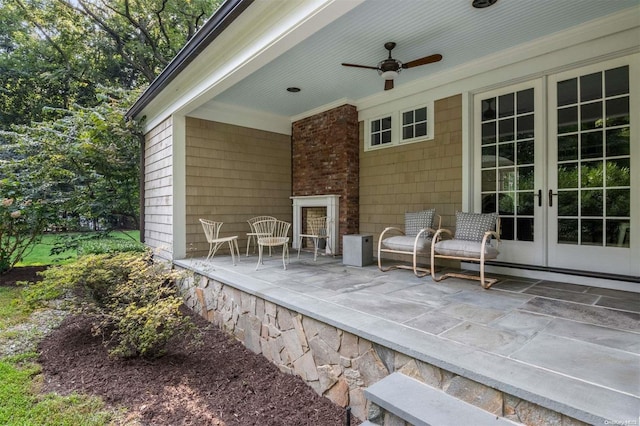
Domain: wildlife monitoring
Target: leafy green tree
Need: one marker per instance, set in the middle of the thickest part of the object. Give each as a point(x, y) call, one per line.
point(85, 163)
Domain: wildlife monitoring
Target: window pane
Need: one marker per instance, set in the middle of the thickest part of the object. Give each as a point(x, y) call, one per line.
point(407, 117)
point(591, 203)
point(407, 132)
point(618, 233)
point(505, 130)
point(525, 178)
point(591, 173)
point(591, 116)
point(525, 126)
point(567, 120)
point(568, 148)
point(489, 203)
point(525, 203)
point(592, 145)
point(488, 180)
point(618, 172)
point(568, 231)
point(489, 156)
point(591, 87)
point(618, 203)
point(525, 152)
point(489, 109)
point(506, 228)
point(568, 175)
point(421, 129)
point(506, 204)
point(505, 154)
point(489, 133)
point(375, 139)
point(421, 114)
point(618, 142)
point(375, 126)
point(568, 92)
point(386, 123)
point(525, 101)
point(507, 179)
point(618, 111)
point(386, 137)
point(525, 229)
point(505, 105)
point(591, 232)
point(616, 81)
point(568, 203)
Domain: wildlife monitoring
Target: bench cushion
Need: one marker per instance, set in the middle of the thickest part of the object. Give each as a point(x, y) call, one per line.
point(405, 243)
point(461, 248)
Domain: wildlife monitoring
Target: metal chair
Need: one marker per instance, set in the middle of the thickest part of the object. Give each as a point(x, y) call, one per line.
point(211, 231)
point(470, 243)
point(252, 235)
point(272, 234)
point(318, 229)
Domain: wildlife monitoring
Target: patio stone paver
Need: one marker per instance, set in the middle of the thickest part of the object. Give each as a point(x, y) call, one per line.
point(571, 296)
point(584, 313)
point(493, 340)
point(597, 335)
point(433, 322)
point(472, 313)
point(523, 323)
point(615, 368)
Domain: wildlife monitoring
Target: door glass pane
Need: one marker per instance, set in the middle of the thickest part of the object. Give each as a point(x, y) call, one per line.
point(594, 165)
point(508, 139)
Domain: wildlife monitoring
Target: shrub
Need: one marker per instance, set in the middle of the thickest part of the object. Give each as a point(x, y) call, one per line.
point(132, 301)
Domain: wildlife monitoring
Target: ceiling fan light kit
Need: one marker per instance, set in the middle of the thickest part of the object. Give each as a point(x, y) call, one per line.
point(390, 68)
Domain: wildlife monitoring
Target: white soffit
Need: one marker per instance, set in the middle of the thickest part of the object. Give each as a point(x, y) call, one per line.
point(454, 29)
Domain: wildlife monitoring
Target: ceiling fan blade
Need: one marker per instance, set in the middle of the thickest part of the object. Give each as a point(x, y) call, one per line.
point(388, 84)
point(360, 66)
point(423, 61)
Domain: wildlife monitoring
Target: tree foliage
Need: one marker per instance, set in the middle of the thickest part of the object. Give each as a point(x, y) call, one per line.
point(84, 164)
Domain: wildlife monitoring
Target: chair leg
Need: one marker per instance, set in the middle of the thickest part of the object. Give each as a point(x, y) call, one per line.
point(299, 246)
point(249, 237)
point(284, 251)
point(315, 249)
point(259, 256)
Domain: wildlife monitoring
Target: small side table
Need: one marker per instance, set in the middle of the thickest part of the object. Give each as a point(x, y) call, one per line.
point(357, 250)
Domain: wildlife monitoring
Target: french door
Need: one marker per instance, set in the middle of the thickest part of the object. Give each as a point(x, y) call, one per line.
point(557, 159)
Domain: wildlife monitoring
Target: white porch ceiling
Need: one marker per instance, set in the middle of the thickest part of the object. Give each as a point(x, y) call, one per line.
point(452, 28)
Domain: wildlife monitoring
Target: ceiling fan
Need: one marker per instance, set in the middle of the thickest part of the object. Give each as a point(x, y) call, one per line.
point(390, 68)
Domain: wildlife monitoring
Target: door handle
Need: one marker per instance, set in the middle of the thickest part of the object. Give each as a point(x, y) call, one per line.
point(551, 194)
point(539, 195)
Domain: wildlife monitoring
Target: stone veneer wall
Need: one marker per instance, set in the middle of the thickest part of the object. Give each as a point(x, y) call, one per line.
point(337, 364)
point(325, 160)
point(414, 176)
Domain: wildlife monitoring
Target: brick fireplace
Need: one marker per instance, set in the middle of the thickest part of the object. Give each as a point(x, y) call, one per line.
point(325, 161)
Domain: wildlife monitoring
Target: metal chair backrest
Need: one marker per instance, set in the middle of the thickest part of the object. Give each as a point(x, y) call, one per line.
point(211, 229)
point(253, 220)
point(318, 226)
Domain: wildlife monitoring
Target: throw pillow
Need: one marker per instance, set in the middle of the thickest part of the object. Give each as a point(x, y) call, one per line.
point(415, 221)
point(472, 226)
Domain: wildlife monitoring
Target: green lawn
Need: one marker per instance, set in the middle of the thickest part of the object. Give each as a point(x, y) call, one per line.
point(41, 253)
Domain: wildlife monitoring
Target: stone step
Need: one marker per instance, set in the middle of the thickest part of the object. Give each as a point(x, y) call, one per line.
point(420, 404)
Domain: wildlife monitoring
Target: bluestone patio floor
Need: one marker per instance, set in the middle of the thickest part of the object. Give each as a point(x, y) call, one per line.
point(569, 347)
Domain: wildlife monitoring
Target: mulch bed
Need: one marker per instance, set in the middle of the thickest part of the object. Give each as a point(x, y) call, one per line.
point(217, 383)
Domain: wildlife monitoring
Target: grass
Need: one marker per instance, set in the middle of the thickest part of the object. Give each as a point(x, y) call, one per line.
point(11, 312)
point(21, 404)
point(117, 241)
